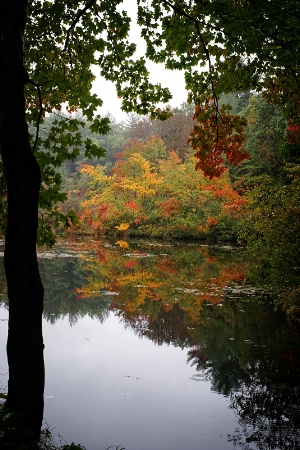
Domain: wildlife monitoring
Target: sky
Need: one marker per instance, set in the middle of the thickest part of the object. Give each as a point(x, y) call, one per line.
point(174, 80)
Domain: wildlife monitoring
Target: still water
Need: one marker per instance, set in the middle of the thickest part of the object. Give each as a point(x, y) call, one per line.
point(152, 345)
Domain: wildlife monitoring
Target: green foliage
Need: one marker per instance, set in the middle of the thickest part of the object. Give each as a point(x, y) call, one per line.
point(265, 137)
point(272, 234)
point(237, 100)
point(48, 441)
point(8, 430)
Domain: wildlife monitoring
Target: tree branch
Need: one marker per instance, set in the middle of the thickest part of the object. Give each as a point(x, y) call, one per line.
point(188, 16)
point(80, 13)
point(197, 22)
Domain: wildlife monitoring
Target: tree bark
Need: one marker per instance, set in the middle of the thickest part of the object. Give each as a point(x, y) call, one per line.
point(25, 290)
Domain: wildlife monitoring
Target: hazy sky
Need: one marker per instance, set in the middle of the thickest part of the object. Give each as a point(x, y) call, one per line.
point(174, 80)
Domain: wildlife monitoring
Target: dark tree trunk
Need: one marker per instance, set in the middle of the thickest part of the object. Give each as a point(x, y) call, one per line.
point(25, 290)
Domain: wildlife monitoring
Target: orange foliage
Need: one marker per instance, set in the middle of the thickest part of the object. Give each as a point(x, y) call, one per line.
point(210, 298)
point(95, 217)
point(232, 201)
point(167, 267)
point(232, 274)
point(169, 207)
point(212, 221)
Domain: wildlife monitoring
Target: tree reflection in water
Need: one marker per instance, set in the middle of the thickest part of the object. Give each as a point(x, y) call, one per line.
point(197, 298)
point(260, 375)
point(269, 397)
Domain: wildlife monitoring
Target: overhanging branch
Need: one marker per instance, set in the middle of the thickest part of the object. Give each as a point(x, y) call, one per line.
point(198, 22)
point(75, 21)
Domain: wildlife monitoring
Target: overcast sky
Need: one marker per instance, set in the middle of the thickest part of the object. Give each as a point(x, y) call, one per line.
point(174, 80)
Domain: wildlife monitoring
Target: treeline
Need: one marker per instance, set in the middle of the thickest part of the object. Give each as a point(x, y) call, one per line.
point(147, 184)
point(150, 193)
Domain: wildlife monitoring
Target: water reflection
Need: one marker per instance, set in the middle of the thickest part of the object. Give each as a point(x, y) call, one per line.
point(195, 298)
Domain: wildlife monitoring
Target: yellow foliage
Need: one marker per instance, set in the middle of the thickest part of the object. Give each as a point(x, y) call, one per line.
point(123, 226)
point(122, 244)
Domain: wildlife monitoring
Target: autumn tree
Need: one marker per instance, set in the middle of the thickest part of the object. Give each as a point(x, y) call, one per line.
point(174, 132)
point(152, 148)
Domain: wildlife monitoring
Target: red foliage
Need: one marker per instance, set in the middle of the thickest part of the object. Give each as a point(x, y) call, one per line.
point(197, 353)
point(211, 259)
point(293, 134)
point(216, 136)
point(129, 264)
point(167, 267)
point(101, 255)
point(140, 220)
point(132, 205)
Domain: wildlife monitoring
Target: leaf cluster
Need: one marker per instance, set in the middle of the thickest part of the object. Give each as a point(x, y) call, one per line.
point(239, 45)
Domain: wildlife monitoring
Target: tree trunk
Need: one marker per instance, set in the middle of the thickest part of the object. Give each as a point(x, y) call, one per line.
point(25, 290)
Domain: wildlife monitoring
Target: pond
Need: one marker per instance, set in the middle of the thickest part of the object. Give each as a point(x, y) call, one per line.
point(158, 345)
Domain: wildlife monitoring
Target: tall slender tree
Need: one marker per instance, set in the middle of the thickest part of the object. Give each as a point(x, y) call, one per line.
point(22, 173)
